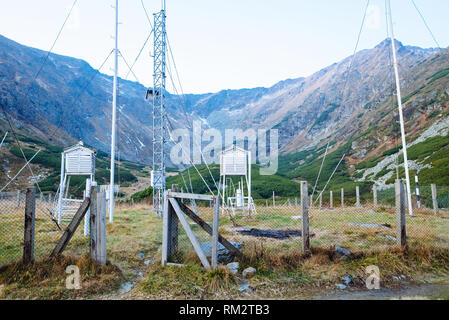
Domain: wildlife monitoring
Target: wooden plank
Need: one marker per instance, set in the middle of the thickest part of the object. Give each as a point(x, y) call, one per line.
point(305, 217)
point(215, 229)
point(30, 214)
point(190, 234)
point(206, 227)
point(400, 213)
point(101, 228)
point(180, 195)
point(70, 231)
point(165, 229)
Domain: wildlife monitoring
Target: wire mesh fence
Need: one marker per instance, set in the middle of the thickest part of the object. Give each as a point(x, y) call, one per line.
point(344, 218)
point(47, 231)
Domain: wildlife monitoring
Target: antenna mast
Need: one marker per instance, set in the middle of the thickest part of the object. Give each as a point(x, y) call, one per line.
point(159, 120)
point(114, 119)
point(401, 116)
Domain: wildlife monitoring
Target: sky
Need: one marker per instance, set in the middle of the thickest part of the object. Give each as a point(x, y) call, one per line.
point(222, 44)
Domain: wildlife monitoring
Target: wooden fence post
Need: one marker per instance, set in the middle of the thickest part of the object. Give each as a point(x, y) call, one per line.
point(215, 229)
point(305, 217)
point(342, 198)
point(375, 195)
point(400, 213)
point(30, 216)
point(357, 195)
point(434, 198)
point(97, 221)
point(321, 200)
point(331, 199)
point(274, 201)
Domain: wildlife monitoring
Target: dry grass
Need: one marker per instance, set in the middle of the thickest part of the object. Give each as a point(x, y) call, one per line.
point(283, 270)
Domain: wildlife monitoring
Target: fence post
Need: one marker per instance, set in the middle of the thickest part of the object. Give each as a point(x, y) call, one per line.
point(266, 203)
point(30, 216)
point(375, 195)
point(342, 197)
point(305, 217)
point(215, 229)
point(434, 198)
point(357, 195)
point(400, 213)
point(18, 198)
point(274, 202)
point(97, 221)
point(331, 199)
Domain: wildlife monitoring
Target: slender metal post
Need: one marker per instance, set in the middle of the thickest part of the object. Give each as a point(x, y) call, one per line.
point(375, 195)
point(215, 229)
point(418, 199)
point(114, 119)
point(331, 200)
point(357, 195)
point(342, 198)
point(434, 198)
point(401, 115)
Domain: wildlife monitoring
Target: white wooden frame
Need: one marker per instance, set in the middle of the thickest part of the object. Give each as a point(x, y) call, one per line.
point(170, 200)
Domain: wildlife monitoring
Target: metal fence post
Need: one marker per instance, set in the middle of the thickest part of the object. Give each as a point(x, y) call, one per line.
point(357, 195)
point(374, 195)
point(342, 197)
point(18, 198)
point(434, 198)
point(215, 229)
point(305, 217)
point(331, 199)
point(30, 216)
point(400, 213)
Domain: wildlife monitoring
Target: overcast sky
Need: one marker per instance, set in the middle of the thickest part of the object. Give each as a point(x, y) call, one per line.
point(223, 44)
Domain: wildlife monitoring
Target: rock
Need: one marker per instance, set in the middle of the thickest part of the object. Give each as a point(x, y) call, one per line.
point(244, 286)
point(347, 280)
point(371, 211)
point(297, 218)
point(141, 255)
point(147, 263)
point(233, 267)
point(396, 278)
point(341, 286)
point(223, 254)
point(249, 272)
point(343, 251)
point(126, 287)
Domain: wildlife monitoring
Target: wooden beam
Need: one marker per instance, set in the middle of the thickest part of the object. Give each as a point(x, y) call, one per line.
point(305, 217)
point(400, 213)
point(206, 227)
point(192, 196)
point(190, 234)
point(30, 214)
point(70, 231)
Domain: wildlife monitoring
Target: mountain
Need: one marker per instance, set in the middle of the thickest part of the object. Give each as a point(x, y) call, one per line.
point(348, 104)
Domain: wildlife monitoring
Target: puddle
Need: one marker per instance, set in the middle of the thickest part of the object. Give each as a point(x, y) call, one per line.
point(276, 234)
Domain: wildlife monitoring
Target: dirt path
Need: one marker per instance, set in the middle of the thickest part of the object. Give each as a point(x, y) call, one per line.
point(414, 292)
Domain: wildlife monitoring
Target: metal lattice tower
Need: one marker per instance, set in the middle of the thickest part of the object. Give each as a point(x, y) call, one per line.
point(159, 121)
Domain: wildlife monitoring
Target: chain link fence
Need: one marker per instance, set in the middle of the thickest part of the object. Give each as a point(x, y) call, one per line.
point(357, 218)
point(47, 231)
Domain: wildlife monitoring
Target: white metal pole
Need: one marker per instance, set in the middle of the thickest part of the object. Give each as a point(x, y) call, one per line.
point(61, 188)
point(114, 117)
point(249, 184)
point(401, 116)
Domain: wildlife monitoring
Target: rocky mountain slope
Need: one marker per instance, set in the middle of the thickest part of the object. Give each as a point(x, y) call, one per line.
point(351, 107)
